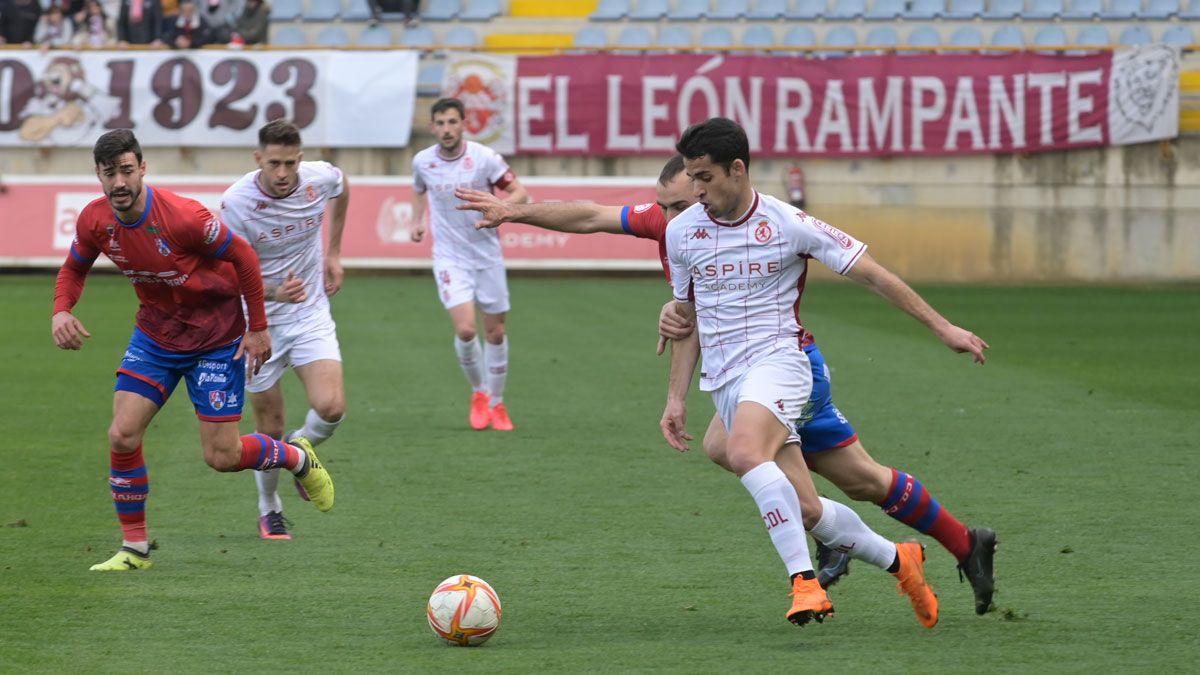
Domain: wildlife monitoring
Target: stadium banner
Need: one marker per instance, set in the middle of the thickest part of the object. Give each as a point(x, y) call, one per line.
point(482, 83)
point(38, 214)
point(207, 98)
point(899, 104)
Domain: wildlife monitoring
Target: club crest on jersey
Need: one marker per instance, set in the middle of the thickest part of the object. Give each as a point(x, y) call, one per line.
point(216, 399)
point(310, 192)
point(763, 232)
point(162, 246)
point(468, 163)
point(261, 205)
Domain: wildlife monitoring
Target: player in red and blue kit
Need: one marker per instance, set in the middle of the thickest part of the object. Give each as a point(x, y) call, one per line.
point(830, 446)
point(190, 273)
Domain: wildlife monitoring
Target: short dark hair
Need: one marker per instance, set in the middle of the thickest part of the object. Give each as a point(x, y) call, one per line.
point(672, 168)
point(112, 144)
point(444, 104)
point(722, 139)
point(279, 132)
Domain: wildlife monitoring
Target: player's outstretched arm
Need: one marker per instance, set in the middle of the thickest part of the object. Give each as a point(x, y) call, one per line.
point(337, 224)
point(574, 217)
point(876, 277)
point(685, 354)
point(517, 194)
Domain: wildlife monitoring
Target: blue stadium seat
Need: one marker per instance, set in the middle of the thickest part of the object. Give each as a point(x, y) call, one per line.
point(675, 37)
point(799, 36)
point(811, 9)
point(417, 37)
point(590, 37)
point(1050, 36)
point(441, 10)
point(1192, 11)
point(650, 10)
point(1161, 9)
point(286, 10)
point(288, 36)
point(883, 36)
point(1084, 9)
point(357, 10)
point(1123, 10)
point(689, 10)
point(611, 10)
point(768, 9)
point(926, 9)
point(716, 36)
point(332, 36)
point(758, 36)
point(635, 37)
point(1136, 34)
point(1093, 36)
point(375, 36)
point(1008, 36)
point(845, 10)
point(1004, 9)
point(923, 36)
point(838, 36)
point(965, 9)
point(729, 10)
point(1179, 35)
point(480, 10)
point(322, 10)
point(429, 78)
point(1044, 9)
point(886, 10)
point(966, 36)
point(461, 36)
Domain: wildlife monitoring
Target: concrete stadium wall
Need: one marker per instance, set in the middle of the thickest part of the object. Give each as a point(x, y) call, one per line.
point(1113, 214)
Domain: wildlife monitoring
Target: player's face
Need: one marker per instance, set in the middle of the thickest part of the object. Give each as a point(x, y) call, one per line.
point(122, 182)
point(280, 166)
point(718, 191)
point(448, 129)
point(676, 196)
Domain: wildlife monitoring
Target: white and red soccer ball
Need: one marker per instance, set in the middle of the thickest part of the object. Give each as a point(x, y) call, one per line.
point(464, 611)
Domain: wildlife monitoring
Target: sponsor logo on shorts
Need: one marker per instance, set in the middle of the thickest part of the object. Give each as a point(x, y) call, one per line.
point(216, 399)
point(213, 378)
point(779, 404)
point(209, 364)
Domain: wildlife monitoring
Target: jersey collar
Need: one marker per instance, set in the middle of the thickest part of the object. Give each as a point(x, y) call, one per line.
point(145, 212)
point(745, 216)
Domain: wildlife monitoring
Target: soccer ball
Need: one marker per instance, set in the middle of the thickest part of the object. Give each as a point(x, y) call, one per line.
point(464, 611)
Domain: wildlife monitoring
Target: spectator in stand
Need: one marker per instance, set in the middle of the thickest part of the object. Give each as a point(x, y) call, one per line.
point(409, 8)
point(170, 12)
point(18, 21)
point(93, 28)
point(251, 27)
point(219, 16)
point(53, 30)
point(139, 22)
point(189, 30)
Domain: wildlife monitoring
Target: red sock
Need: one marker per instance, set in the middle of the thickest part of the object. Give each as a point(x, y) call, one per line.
point(910, 503)
point(130, 485)
point(262, 452)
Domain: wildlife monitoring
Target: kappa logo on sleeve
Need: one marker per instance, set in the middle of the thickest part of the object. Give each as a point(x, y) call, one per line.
point(211, 232)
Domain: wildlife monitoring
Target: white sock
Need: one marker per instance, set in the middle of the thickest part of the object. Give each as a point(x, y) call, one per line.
point(840, 528)
point(496, 357)
point(268, 491)
point(470, 357)
point(315, 429)
point(780, 509)
point(142, 547)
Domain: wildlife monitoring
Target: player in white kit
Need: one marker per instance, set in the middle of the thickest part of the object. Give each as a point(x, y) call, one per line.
point(279, 209)
point(738, 264)
point(467, 263)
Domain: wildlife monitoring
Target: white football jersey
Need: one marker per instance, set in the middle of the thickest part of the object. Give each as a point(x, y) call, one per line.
point(286, 233)
point(746, 278)
point(456, 242)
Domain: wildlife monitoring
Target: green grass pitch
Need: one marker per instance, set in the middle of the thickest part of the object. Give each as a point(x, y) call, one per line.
point(611, 552)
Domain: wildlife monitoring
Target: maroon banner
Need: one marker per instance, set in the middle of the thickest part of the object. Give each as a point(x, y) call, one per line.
point(868, 106)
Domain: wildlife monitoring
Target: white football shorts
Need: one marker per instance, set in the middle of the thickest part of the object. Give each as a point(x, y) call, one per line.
point(487, 287)
point(313, 338)
point(780, 382)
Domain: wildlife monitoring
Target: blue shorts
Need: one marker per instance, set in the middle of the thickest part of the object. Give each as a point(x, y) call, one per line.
point(823, 427)
point(216, 381)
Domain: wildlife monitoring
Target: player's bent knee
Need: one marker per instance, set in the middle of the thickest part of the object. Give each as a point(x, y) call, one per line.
point(223, 461)
point(331, 410)
point(123, 441)
point(465, 334)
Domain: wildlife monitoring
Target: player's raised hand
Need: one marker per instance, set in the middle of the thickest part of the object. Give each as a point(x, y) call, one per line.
point(674, 425)
point(292, 290)
point(962, 340)
point(333, 275)
point(67, 331)
point(256, 347)
point(492, 210)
